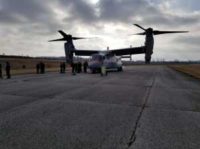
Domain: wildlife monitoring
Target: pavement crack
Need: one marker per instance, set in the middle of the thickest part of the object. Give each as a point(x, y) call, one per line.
point(146, 97)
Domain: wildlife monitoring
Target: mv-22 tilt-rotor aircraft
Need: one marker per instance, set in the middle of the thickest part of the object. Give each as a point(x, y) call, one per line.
point(109, 57)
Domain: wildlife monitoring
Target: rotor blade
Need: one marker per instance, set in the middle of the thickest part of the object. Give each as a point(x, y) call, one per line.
point(138, 34)
point(141, 33)
point(156, 32)
point(140, 27)
point(62, 39)
point(77, 38)
point(62, 33)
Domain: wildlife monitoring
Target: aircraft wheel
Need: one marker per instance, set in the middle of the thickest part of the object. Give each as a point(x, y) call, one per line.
point(120, 69)
point(93, 71)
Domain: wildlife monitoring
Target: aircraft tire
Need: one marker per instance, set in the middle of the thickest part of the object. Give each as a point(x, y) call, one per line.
point(120, 69)
point(92, 71)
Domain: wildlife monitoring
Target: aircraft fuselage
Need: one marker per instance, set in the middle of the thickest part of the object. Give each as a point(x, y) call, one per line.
point(111, 62)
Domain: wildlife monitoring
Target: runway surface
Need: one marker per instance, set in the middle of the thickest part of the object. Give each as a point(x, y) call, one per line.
point(144, 107)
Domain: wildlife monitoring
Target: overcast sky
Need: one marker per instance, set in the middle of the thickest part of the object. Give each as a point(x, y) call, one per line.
point(27, 25)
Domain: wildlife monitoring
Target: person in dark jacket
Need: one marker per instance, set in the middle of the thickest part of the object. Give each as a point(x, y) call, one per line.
point(42, 68)
point(64, 67)
point(79, 67)
point(73, 65)
point(61, 67)
point(1, 73)
point(8, 70)
point(85, 65)
point(37, 68)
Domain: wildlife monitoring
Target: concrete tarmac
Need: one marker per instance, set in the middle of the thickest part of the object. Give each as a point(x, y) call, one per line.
point(144, 107)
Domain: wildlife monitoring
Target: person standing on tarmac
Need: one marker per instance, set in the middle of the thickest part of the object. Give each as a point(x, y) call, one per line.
point(42, 68)
point(85, 65)
point(73, 65)
point(79, 65)
point(37, 68)
point(64, 67)
point(103, 70)
point(61, 67)
point(8, 70)
point(40, 65)
point(76, 67)
point(1, 73)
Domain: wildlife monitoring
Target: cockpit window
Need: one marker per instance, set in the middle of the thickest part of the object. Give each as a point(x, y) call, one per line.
point(97, 57)
point(108, 56)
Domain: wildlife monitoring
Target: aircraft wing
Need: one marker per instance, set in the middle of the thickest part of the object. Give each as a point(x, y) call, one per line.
point(117, 52)
point(128, 51)
point(85, 52)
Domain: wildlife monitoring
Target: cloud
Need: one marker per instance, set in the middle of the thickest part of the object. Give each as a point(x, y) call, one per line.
point(189, 40)
point(124, 10)
point(32, 10)
point(28, 24)
point(30, 13)
point(78, 10)
point(143, 11)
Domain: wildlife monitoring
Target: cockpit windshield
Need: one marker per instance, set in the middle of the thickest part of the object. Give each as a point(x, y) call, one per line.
point(97, 57)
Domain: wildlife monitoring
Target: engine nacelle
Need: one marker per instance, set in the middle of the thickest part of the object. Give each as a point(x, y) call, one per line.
point(69, 51)
point(149, 43)
point(148, 54)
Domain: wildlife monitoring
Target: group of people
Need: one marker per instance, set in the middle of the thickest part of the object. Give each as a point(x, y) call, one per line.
point(77, 67)
point(7, 69)
point(40, 68)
